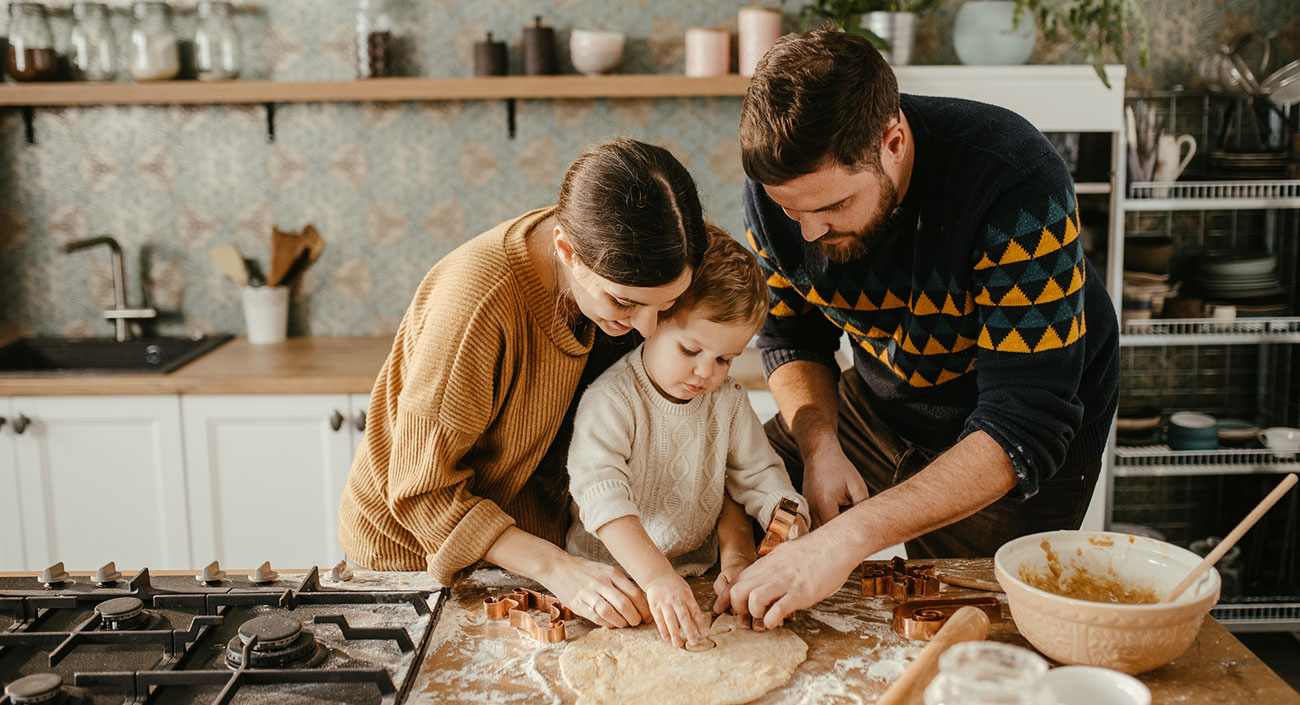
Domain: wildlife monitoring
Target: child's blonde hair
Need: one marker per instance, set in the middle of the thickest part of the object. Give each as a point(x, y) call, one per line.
point(728, 286)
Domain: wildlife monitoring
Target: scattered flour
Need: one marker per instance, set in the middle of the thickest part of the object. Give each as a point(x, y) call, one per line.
point(890, 663)
point(836, 622)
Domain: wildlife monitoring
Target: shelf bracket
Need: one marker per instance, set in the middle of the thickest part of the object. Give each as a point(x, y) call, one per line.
point(510, 117)
point(270, 121)
point(29, 127)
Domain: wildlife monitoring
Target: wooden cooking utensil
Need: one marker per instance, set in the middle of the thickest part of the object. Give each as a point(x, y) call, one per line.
point(315, 244)
point(285, 248)
point(966, 624)
point(231, 264)
point(1234, 536)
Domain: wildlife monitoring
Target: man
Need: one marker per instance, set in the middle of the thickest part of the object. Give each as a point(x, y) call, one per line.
point(942, 236)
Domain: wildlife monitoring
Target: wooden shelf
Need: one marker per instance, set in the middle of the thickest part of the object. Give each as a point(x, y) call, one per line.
point(373, 90)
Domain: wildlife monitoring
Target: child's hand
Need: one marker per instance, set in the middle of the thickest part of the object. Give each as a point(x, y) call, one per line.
point(732, 566)
point(675, 610)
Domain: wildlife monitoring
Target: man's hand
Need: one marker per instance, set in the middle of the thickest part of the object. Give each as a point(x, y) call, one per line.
point(796, 575)
point(675, 610)
point(831, 481)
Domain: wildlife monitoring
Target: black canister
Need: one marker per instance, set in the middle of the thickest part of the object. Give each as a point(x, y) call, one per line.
point(539, 49)
point(489, 57)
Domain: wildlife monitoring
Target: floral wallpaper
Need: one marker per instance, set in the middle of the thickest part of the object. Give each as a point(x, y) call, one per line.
point(391, 187)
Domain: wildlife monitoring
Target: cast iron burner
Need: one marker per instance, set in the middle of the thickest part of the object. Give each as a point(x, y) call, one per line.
point(123, 614)
point(281, 643)
point(45, 688)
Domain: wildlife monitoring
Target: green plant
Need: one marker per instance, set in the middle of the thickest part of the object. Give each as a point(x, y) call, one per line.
point(846, 14)
point(1093, 26)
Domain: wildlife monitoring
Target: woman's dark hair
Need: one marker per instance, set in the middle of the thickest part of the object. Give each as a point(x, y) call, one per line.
point(632, 213)
point(818, 97)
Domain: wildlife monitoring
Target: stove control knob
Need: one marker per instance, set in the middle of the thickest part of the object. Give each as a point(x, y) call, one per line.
point(107, 575)
point(263, 574)
point(211, 573)
point(341, 572)
point(55, 575)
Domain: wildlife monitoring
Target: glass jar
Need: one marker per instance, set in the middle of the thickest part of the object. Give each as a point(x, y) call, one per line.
point(216, 43)
point(374, 40)
point(31, 55)
point(94, 48)
point(154, 52)
point(989, 673)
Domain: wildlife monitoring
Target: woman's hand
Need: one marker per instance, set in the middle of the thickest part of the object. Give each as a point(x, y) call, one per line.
point(597, 592)
point(675, 610)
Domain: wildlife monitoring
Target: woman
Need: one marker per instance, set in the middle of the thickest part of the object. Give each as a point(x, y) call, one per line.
point(469, 421)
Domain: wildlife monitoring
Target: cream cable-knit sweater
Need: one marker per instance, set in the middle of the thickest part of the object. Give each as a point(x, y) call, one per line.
point(636, 453)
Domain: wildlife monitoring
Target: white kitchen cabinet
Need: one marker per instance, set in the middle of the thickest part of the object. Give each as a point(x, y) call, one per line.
point(87, 480)
point(265, 474)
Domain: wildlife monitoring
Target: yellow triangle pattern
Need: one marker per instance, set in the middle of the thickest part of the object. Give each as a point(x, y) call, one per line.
point(892, 301)
point(838, 301)
point(753, 245)
point(969, 306)
point(1049, 341)
point(898, 334)
point(909, 346)
point(865, 304)
point(1014, 253)
point(777, 281)
point(984, 340)
point(946, 375)
point(934, 347)
point(1047, 245)
point(1015, 297)
point(813, 297)
point(1076, 281)
point(1071, 231)
point(780, 309)
point(949, 307)
point(984, 299)
point(984, 262)
point(962, 343)
point(1073, 335)
point(876, 333)
point(924, 306)
point(853, 329)
point(1013, 343)
point(1051, 292)
point(916, 380)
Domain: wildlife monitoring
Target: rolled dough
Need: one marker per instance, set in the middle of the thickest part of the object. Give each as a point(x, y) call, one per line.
point(614, 666)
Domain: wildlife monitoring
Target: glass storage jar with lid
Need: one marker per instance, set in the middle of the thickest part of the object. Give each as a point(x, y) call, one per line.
point(94, 48)
point(154, 52)
point(989, 673)
point(216, 43)
point(31, 55)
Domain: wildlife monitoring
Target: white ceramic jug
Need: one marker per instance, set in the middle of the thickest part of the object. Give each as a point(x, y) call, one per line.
point(1170, 161)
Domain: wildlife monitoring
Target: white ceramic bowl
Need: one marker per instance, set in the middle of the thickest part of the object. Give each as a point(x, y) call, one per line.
point(1128, 638)
point(595, 52)
point(1089, 685)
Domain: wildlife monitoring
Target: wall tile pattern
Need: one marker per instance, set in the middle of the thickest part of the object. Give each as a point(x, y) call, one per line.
point(392, 187)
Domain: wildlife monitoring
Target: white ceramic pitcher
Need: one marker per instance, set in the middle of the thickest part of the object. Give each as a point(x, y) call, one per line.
point(1170, 161)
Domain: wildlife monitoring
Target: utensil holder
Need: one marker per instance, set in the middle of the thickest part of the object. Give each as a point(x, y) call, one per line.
point(266, 313)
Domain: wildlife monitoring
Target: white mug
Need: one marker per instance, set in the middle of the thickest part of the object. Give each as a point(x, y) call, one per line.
point(1170, 161)
point(1284, 441)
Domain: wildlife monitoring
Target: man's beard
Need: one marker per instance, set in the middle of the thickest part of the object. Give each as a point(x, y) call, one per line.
point(857, 244)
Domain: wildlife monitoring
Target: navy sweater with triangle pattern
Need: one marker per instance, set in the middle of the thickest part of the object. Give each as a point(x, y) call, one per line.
point(977, 310)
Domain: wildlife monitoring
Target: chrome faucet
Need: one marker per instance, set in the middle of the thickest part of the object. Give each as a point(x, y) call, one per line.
point(119, 314)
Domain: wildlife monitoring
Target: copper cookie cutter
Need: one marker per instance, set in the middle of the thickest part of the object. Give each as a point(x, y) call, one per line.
point(922, 619)
point(520, 604)
point(778, 530)
point(898, 580)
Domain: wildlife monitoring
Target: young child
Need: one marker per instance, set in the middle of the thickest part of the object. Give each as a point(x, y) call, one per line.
point(664, 441)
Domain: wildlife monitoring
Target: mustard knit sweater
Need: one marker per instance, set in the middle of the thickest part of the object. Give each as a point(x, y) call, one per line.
point(480, 377)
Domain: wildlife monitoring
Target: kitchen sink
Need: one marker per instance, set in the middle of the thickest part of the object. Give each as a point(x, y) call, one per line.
point(63, 356)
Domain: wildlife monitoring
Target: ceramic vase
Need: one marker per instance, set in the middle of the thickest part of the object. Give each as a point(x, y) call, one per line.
point(983, 34)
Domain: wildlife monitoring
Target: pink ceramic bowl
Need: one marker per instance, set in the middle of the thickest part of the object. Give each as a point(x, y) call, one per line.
point(1128, 638)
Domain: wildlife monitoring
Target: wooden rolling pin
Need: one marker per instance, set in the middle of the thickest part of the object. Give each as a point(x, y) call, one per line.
point(966, 624)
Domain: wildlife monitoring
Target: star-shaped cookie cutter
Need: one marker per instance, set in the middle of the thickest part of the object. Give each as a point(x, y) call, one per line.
point(898, 580)
point(518, 607)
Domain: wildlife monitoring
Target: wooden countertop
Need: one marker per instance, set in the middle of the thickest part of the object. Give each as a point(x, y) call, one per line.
point(304, 365)
point(853, 654)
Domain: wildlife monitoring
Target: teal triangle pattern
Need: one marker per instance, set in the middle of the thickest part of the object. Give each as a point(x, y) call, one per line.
point(1027, 224)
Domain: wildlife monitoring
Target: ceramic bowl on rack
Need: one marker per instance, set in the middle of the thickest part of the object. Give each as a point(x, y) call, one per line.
point(1236, 432)
point(596, 52)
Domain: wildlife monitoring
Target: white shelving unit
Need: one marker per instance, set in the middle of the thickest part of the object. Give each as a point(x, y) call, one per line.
point(1250, 614)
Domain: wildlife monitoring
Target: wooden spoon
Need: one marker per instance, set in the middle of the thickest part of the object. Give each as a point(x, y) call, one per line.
point(1234, 536)
point(966, 624)
point(231, 264)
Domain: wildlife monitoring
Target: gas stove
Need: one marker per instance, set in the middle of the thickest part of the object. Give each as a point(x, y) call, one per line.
point(218, 638)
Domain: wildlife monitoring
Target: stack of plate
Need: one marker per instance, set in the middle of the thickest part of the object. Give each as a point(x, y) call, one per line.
point(1248, 165)
point(1238, 277)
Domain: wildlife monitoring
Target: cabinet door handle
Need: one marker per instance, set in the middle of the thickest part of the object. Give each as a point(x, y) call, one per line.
point(336, 420)
point(20, 423)
point(360, 423)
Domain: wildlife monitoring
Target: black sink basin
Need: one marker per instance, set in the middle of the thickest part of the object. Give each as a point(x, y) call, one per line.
point(61, 356)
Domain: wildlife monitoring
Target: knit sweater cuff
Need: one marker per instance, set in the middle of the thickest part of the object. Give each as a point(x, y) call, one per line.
point(604, 502)
point(474, 534)
point(775, 357)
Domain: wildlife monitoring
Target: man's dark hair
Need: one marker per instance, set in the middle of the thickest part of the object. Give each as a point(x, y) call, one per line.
point(815, 97)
